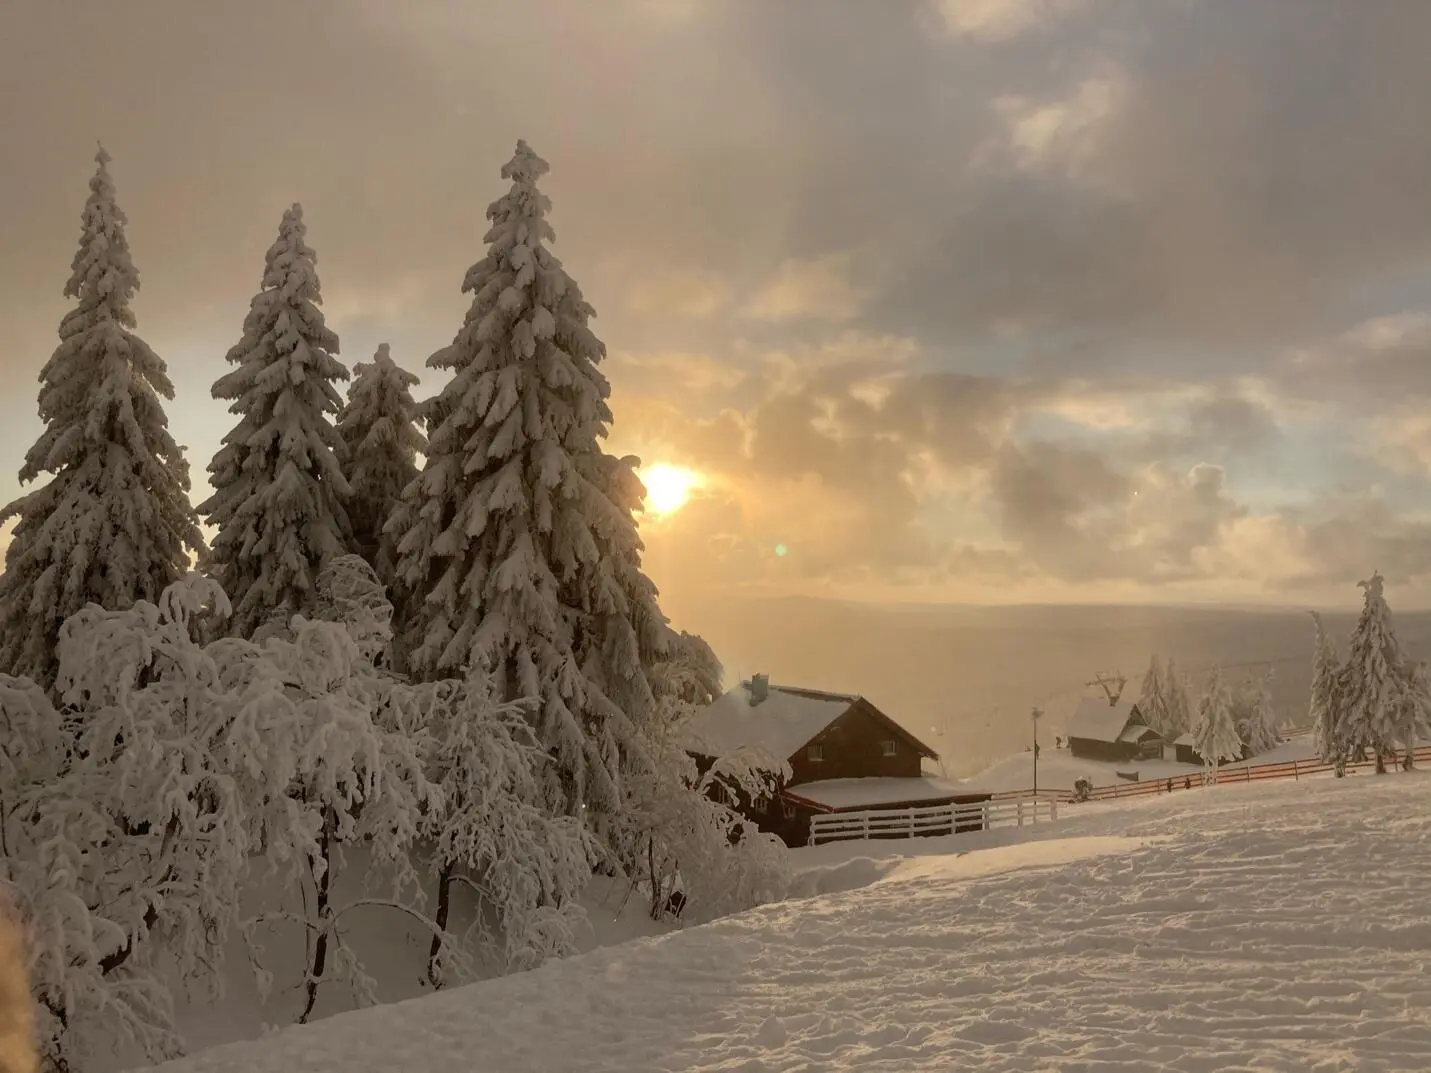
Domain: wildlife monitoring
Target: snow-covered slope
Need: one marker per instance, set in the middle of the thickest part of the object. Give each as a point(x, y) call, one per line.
point(1272, 927)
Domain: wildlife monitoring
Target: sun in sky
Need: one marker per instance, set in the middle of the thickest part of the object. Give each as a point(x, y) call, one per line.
point(668, 488)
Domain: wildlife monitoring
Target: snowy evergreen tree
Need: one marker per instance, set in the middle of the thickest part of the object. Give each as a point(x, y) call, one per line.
point(379, 428)
point(503, 540)
point(1375, 681)
point(1214, 733)
point(1153, 701)
point(692, 672)
point(1415, 722)
point(1325, 704)
point(279, 490)
point(113, 524)
point(1254, 715)
point(1177, 707)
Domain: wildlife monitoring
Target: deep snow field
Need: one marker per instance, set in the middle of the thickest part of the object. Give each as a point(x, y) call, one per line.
point(1282, 926)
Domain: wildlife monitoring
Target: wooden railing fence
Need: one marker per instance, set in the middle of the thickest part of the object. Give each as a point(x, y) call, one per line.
point(933, 819)
point(1227, 776)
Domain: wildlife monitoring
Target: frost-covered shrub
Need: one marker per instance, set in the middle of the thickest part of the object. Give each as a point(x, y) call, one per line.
point(685, 839)
point(122, 837)
point(494, 833)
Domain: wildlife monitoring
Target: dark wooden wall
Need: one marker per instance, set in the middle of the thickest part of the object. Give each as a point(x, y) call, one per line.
point(853, 750)
point(1089, 749)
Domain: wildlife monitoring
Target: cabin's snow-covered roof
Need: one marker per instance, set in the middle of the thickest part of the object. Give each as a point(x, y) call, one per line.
point(1136, 734)
point(853, 793)
point(785, 720)
point(1097, 720)
point(1185, 739)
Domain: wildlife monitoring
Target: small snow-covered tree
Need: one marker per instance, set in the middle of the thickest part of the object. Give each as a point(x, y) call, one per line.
point(113, 524)
point(1177, 706)
point(1152, 700)
point(494, 832)
point(279, 490)
point(1415, 723)
point(1214, 733)
point(1374, 681)
point(692, 840)
point(122, 837)
point(336, 769)
point(1254, 715)
point(498, 540)
point(1325, 703)
point(379, 427)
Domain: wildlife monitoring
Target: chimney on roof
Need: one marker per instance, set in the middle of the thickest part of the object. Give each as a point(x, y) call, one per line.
point(759, 688)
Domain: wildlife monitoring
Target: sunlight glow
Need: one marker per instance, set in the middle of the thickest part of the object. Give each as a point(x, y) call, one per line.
point(668, 488)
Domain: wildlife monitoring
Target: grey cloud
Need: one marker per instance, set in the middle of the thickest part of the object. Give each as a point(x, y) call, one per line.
point(1360, 536)
point(1224, 425)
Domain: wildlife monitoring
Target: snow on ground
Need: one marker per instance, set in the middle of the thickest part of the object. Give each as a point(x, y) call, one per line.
point(393, 950)
point(1058, 768)
point(1276, 926)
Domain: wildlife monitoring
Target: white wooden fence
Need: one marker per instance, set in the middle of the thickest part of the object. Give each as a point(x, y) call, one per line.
point(933, 819)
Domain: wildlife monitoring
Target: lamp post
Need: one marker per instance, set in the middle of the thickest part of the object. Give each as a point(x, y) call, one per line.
point(1034, 717)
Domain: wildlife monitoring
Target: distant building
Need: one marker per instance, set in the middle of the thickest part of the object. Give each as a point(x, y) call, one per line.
point(1101, 729)
point(845, 755)
point(1185, 752)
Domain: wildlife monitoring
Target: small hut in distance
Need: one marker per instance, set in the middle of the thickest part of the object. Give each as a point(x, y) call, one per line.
point(1112, 729)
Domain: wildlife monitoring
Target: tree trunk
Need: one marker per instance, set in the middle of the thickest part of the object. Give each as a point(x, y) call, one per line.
point(444, 905)
point(1380, 762)
point(1408, 762)
point(655, 884)
point(320, 946)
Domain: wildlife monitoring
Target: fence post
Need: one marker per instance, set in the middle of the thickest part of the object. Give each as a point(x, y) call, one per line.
point(1248, 770)
point(1052, 809)
point(1021, 811)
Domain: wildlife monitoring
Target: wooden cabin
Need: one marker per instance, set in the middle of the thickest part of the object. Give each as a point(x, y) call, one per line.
point(1185, 752)
point(1102, 729)
point(844, 754)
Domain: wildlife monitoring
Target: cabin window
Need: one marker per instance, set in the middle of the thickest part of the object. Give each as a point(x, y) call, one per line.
point(788, 809)
point(719, 795)
point(889, 748)
point(815, 753)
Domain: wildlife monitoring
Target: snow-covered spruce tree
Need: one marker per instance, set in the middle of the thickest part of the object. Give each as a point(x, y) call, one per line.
point(1324, 705)
point(1254, 715)
point(113, 524)
point(496, 539)
point(1177, 707)
point(279, 490)
point(1415, 722)
point(1214, 733)
point(379, 428)
point(1374, 681)
point(1152, 700)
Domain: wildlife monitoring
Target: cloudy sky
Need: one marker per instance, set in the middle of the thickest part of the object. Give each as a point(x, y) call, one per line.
point(972, 300)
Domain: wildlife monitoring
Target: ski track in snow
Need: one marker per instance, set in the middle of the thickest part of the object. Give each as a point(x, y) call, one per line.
point(1250, 928)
